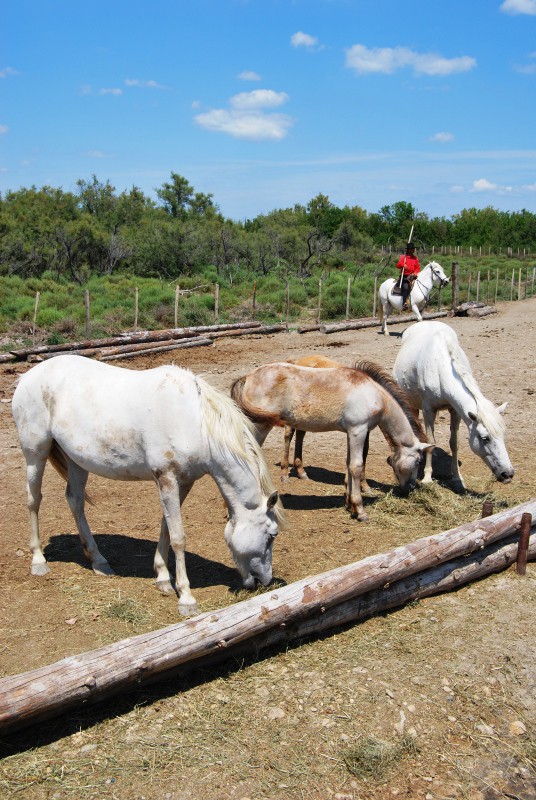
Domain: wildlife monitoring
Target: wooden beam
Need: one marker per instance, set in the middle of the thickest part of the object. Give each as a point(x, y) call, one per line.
point(298, 609)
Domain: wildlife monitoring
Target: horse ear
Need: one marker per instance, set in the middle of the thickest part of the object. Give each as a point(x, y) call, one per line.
point(272, 500)
point(472, 416)
point(502, 409)
point(425, 446)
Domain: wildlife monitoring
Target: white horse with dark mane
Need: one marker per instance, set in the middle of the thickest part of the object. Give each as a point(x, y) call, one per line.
point(164, 425)
point(435, 372)
point(431, 275)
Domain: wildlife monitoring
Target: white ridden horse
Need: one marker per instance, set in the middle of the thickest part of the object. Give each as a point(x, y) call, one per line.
point(435, 372)
point(431, 275)
point(165, 425)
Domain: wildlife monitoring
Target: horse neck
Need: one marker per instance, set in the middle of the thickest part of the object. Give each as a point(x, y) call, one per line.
point(426, 277)
point(394, 424)
point(237, 480)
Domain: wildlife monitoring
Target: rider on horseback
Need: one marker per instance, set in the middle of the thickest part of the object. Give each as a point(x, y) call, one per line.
point(409, 264)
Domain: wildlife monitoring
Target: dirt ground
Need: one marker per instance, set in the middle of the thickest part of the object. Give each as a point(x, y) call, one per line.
point(448, 683)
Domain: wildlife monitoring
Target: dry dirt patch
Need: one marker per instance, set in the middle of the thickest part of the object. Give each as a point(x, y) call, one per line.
point(454, 673)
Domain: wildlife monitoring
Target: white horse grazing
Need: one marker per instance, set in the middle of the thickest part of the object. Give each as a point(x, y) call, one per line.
point(162, 424)
point(432, 275)
point(435, 372)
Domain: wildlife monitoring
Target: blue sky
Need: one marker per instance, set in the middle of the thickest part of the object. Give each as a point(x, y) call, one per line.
point(267, 103)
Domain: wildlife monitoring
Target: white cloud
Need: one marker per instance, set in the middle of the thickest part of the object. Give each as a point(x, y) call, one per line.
point(4, 73)
point(529, 187)
point(301, 39)
point(96, 154)
point(387, 60)
point(527, 69)
point(111, 91)
point(249, 75)
point(259, 98)
point(143, 84)
point(483, 185)
point(253, 125)
point(442, 137)
point(457, 189)
point(85, 90)
point(519, 7)
point(3, 129)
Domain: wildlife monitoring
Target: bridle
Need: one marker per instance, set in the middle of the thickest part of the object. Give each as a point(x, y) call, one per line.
point(442, 281)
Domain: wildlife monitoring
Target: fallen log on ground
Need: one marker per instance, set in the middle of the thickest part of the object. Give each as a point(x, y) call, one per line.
point(355, 324)
point(263, 329)
point(283, 613)
point(132, 338)
point(463, 308)
point(481, 312)
point(197, 341)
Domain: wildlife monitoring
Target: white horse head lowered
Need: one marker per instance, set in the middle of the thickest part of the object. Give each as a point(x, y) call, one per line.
point(431, 275)
point(435, 372)
point(164, 425)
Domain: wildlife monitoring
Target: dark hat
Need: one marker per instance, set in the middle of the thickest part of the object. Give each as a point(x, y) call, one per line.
point(410, 246)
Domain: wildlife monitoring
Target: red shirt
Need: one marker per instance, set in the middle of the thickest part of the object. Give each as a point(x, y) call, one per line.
point(410, 265)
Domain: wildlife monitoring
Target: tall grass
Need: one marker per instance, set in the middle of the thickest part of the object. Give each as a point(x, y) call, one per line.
point(61, 309)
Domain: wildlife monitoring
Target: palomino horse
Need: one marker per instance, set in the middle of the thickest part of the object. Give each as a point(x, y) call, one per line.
point(432, 275)
point(163, 424)
point(353, 400)
point(435, 372)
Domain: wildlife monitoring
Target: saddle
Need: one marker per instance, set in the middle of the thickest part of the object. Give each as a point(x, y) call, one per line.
point(396, 289)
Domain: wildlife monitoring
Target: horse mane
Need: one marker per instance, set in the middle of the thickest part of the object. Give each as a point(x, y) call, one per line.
point(380, 376)
point(230, 429)
point(253, 413)
point(486, 411)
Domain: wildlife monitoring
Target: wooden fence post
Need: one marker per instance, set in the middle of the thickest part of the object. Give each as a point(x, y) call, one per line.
point(454, 284)
point(478, 286)
point(519, 286)
point(37, 295)
point(136, 307)
point(512, 286)
point(88, 324)
point(176, 314)
point(469, 288)
point(496, 284)
point(216, 301)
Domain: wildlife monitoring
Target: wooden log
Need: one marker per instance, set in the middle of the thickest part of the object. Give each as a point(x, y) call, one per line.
point(350, 325)
point(308, 328)
point(140, 336)
point(5, 358)
point(463, 308)
point(279, 613)
point(263, 329)
point(481, 312)
point(197, 341)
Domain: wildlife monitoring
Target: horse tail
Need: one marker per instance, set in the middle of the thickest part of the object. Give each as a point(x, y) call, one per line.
point(255, 414)
point(380, 309)
point(58, 459)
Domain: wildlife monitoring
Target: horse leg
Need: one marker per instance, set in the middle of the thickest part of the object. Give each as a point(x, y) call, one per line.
point(75, 494)
point(289, 433)
point(163, 578)
point(365, 488)
point(298, 455)
point(34, 482)
point(453, 443)
point(170, 497)
point(429, 420)
point(386, 311)
point(354, 464)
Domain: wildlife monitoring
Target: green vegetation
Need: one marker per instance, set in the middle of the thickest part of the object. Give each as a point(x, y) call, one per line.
point(62, 244)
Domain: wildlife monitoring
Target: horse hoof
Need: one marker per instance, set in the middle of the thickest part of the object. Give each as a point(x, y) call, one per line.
point(40, 569)
point(284, 478)
point(363, 517)
point(303, 476)
point(103, 568)
point(187, 609)
point(165, 587)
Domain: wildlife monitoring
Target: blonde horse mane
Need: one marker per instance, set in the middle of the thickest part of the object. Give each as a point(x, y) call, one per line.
point(380, 376)
point(486, 411)
point(231, 430)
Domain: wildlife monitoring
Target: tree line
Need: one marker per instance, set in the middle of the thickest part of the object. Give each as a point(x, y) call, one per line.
point(97, 231)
